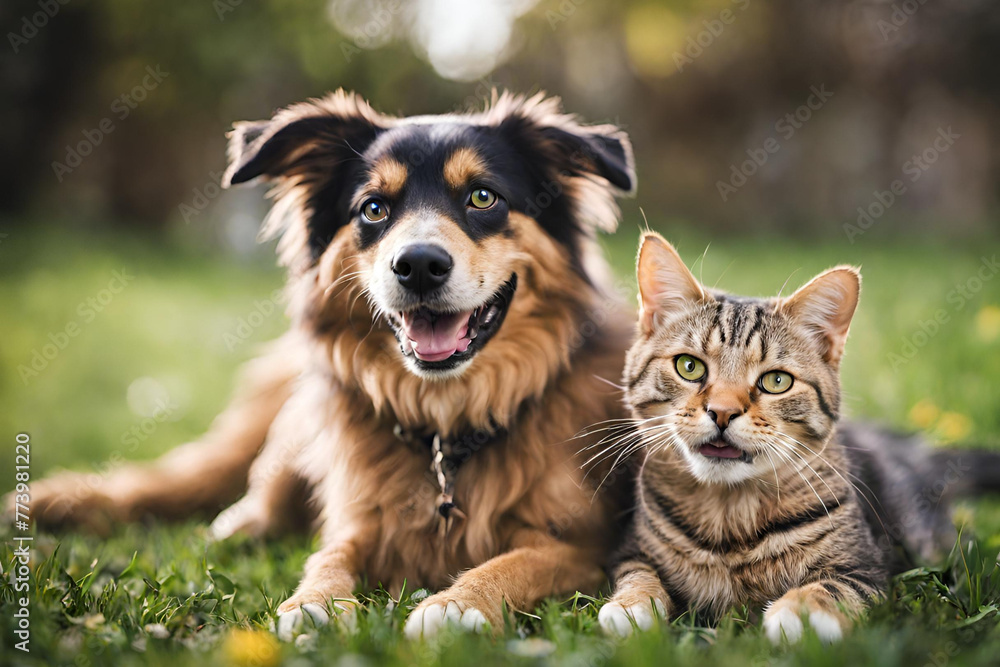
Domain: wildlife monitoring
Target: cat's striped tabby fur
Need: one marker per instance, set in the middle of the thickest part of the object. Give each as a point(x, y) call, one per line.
point(744, 494)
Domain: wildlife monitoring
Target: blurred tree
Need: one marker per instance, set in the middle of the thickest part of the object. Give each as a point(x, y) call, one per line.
point(701, 85)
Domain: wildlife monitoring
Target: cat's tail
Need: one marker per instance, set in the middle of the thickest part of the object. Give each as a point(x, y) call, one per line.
point(966, 472)
point(200, 476)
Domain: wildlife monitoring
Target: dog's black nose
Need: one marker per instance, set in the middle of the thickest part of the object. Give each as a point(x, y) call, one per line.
point(422, 267)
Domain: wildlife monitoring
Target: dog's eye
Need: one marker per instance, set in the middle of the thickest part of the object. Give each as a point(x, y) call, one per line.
point(482, 198)
point(374, 210)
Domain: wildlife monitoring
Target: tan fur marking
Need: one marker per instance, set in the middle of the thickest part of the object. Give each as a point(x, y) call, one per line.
point(462, 167)
point(388, 177)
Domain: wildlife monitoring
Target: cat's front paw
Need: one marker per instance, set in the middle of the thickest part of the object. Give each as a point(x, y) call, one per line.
point(296, 619)
point(447, 609)
point(620, 620)
point(783, 619)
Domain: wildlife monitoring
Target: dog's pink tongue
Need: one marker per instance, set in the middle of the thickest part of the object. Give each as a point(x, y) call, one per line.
point(437, 340)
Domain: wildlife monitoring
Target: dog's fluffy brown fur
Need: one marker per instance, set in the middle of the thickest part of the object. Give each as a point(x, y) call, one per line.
point(322, 406)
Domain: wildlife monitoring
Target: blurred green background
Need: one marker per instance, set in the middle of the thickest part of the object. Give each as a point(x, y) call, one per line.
point(701, 85)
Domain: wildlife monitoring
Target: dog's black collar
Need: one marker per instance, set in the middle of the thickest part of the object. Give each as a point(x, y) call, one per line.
point(447, 456)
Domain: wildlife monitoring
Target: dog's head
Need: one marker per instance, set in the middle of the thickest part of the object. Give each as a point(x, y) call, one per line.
point(442, 222)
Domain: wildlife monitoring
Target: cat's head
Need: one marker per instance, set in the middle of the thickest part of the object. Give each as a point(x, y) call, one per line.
point(737, 385)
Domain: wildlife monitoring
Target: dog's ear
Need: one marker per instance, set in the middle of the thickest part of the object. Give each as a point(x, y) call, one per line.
point(316, 135)
point(575, 171)
point(310, 150)
point(600, 150)
point(540, 130)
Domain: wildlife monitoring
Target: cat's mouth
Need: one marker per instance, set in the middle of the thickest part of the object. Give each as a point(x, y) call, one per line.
point(720, 449)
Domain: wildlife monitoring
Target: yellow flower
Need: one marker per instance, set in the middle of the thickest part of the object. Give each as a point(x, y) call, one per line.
point(93, 621)
point(963, 516)
point(924, 414)
point(988, 323)
point(252, 647)
point(653, 34)
point(953, 426)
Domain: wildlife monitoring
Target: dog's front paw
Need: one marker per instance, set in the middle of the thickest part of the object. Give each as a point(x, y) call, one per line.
point(620, 621)
point(294, 619)
point(247, 516)
point(783, 619)
point(440, 610)
point(297, 620)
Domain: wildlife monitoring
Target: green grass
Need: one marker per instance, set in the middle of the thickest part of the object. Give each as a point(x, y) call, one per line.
point(163, 595)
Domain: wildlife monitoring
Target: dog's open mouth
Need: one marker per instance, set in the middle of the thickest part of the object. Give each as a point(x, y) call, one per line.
point(441, 340)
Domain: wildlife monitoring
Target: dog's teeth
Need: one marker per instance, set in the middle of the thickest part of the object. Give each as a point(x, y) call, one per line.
point(490, 314)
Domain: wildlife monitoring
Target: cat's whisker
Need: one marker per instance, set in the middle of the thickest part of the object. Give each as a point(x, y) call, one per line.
point(643, 439)
point(798, 471)
point(619, 387)
point(832, 467)
point(805, 462)
point(791, 443)
point(610, 450)
point(612, 442)
point(836, 471)
point(655, 448)
point(640, 442)
point(612, 434)
point(594, 429)
point(774, 468)
point(814, 472)
point(664, 444)
point(625, 454)
point(615, 439)
point(598, 457)
point(616, 425)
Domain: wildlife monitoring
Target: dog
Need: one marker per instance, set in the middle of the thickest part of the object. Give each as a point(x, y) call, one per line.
point(452, 319)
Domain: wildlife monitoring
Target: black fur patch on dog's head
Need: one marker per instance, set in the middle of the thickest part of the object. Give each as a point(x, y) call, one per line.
point(541, 162)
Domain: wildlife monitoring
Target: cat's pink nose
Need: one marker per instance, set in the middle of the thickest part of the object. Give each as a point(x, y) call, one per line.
point(723, 412)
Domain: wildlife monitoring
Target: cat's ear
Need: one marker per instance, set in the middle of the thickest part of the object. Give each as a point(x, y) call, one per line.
point(825, 307)
point(665, 283)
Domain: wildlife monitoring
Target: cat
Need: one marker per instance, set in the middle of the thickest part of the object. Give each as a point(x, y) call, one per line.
point(750, 492)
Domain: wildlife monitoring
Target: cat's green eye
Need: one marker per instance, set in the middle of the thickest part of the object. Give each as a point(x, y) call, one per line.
point(689, 368)
point(776, 382)
point(482, 198)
